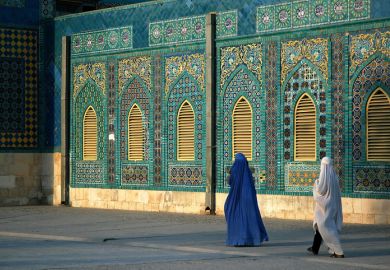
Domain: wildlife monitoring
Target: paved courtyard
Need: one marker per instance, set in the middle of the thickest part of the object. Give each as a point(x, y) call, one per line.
point(44, 237)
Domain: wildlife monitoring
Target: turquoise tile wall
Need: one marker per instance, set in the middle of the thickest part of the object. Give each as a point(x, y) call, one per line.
point(271, 69)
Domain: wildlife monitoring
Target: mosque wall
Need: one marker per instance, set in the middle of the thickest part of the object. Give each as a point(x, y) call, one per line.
point(138, 77)
point(264, 77)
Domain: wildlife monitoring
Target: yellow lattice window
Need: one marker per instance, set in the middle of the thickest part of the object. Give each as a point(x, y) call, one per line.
point(136, 134)
point(242, 128)
point(378, 126)
point(90, 135)
point(305, 129)
point(185, 132)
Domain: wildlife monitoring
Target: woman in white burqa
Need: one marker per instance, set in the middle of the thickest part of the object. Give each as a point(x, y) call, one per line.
point(328, 216)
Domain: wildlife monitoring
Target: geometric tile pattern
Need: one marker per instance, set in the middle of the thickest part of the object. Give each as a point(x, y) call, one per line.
point(89, 172)
point(308, 13)
point(111, 122)
point(190, 29)
point(244, 83)
point(157, 78)
point(376, 73)
point(134, 174)
point(12, 97)
point(89, 94)
point(108, 40)
point(241, 76)
point(185, 175)
point(301, 177)
point(338, 59)
point(304, 80)
point(271, 133)
point(371, 179)
point(186, 89)
point(18, 88)
point(134, 93)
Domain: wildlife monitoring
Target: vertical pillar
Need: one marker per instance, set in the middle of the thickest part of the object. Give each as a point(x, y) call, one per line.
point(210, 112)
point(65, 79)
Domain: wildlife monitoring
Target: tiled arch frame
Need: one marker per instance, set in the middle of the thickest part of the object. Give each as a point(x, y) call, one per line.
point(367, 176)
point(185, 174)
point(133, 173)
point(241, 82)
point(299, 176)
point(89, 172)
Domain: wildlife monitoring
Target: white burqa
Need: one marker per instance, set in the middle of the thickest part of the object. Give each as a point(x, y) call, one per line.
point(328, 213)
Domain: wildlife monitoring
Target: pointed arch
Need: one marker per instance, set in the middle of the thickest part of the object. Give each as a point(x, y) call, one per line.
point(186, 132)
point(90, 134)
point(136, 134)
point(378, 126)
point(305, 129)
point(242, 128)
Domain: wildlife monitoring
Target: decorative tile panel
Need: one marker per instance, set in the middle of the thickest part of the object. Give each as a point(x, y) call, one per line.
point(371, 179)
point(283, 16)
point(185, 175)
point(315, 50)
point(304, 80)
point(227, 23)
point(319, 12)
point(111, 122)
point(377, 72)
point(338, 10)
point(89, 172)
point(177, 31)
point(18, 89)
point(134, 174)
point(301, 177)
point(134, 93)
point(365, 45)
point(109, 40)
point(310, 13)
point(186, 89)
point(193, 64)
point(359, 9)
point(13, 3)
point(132, 67)
point(189, 29)
point(84, 72)
point(231, 57)
point(300, 14)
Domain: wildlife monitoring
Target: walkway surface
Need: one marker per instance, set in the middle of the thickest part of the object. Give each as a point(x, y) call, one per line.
point(44, 237)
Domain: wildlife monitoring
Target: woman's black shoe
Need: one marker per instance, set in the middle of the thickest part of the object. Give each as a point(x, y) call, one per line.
point(310, 250)
point(334, 255)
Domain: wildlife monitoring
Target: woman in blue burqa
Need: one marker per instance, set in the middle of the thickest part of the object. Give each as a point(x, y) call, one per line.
point(244, 224)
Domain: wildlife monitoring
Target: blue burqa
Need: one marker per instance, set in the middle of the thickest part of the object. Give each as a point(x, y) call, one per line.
point(244, 224)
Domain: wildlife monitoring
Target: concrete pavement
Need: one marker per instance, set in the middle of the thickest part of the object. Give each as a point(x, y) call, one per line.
point(44, 237)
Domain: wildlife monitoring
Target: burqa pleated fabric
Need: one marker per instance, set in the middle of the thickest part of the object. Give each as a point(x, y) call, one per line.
point(328, 213)
point(244, 224)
